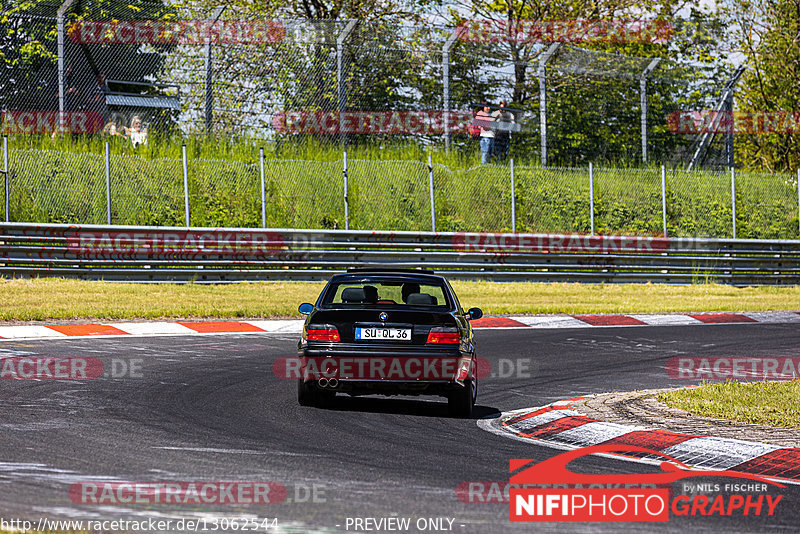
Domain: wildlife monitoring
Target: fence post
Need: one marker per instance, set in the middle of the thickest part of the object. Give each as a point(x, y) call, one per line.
point(513, 199)
point(341, 94)
point(733, 199)
point(8, 182)
point(209, 73)
point(346, 199)
point(591, 197)
point(60, 13)
point(433, 203)
point(643, 104)
point(108, 183)
point(446, 84)
point(542, 73)
point(664, 198)
point(185, 184)
point(798, 199)
point(263, 197)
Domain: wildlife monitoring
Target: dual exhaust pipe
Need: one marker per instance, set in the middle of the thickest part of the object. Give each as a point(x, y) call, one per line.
point(325, 383)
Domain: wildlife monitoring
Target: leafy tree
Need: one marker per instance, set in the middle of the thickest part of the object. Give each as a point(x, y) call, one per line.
point(768, 33)
point(593, 87)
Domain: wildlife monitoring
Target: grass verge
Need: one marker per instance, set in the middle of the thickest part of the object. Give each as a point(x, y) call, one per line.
point(765, 403)
point(62, 299)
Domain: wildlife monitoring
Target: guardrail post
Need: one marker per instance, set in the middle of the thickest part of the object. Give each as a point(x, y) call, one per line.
point(664, 198)
point(5, 161)
point(798, 200)
point(108, 184)
point(185, 184)
point(513, 199)
point(733, 199)
point(263, 197)
point(433, 203)
point(346, 199)
point(591, 197)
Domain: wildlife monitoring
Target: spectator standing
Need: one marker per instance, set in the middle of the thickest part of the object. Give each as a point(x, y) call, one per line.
point(136, 133)
point(502, 139)
point(484, 121)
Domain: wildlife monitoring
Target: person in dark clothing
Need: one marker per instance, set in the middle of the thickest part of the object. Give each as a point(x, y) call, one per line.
point(502, 137)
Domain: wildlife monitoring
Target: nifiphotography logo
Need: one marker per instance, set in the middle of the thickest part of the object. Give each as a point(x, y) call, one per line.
point(583, 497)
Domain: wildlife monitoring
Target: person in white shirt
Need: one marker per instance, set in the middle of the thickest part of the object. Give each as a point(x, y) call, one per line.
point(136, 133)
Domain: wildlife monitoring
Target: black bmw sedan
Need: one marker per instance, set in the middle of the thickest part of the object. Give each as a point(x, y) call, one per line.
point(388, 332)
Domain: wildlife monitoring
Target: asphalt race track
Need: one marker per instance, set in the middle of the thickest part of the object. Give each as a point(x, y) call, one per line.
point(210, 409)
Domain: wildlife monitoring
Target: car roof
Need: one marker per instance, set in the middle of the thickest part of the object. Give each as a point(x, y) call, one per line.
point(388, 270)
point(409, 274)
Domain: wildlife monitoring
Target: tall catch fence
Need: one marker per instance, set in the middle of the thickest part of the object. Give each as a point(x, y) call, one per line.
point(290, 81)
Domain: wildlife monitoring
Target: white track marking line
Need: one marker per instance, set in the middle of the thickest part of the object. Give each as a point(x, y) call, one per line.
point(147, 329)
point(541, 419)
point(774, 317)
point(592, 433)
point(665, 319)
point(554, 321)
point(28, 331)
point(287, 326)
point(717, 453)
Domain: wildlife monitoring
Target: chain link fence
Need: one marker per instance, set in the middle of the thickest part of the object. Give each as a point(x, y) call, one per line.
point(304, 194)
point(392, 193)
point(56, 186)
point(146, 191)
point(85, 188)
point(628, 201)
point(553, 200)
point(476, 199)
point(573, 104)
point(700, 203)
point(766, 205)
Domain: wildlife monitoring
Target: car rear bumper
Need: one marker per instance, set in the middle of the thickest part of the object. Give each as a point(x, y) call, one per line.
point(388, 387)
point(386, 369)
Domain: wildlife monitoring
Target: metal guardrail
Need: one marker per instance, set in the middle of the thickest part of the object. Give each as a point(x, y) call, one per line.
point(211, 255)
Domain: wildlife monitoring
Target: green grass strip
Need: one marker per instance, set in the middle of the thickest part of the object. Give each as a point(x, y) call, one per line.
point(64, 299)
point(765, 403)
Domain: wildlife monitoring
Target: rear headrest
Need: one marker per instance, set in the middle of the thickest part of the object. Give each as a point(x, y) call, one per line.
point(371, 294)
point(408, 288)
point(353, 294)
point(421, 299)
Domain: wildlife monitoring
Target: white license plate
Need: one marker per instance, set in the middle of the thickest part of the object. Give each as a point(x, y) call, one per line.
point(392, 334)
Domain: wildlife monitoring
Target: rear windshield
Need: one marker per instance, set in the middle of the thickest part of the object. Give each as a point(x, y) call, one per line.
point(386, 292)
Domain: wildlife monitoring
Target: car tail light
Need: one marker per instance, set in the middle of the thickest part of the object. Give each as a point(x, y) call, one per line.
point(322, 332)
point(444, 335)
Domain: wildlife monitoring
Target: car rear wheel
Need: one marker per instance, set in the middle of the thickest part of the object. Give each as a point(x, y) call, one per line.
point(324, 398)
point(461, 402)
point(306, 393)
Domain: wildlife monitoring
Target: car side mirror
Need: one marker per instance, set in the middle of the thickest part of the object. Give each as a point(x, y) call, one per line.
point(305, 308)
point(474, 313)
